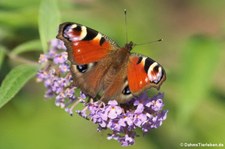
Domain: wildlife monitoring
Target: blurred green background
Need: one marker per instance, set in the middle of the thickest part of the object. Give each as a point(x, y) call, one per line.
point(192, 53)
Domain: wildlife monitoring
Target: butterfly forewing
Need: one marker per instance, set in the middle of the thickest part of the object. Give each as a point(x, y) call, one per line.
point(143, 73)
point(84, 44)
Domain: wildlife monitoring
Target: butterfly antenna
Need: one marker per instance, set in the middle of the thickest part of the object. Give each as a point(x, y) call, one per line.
point(154, 41)
point(125, 17)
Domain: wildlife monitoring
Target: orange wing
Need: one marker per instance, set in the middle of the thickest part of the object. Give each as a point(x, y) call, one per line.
point(143, 73)
point(84, 44)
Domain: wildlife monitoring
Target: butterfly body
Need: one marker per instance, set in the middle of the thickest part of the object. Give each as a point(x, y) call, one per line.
point(100, 67)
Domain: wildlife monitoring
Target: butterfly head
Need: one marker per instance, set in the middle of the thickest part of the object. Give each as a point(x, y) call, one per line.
point(129, 46)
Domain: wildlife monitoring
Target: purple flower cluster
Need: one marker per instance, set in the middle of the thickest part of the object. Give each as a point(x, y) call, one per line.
point(144, 113)
point(56, 76)
point(141, 112)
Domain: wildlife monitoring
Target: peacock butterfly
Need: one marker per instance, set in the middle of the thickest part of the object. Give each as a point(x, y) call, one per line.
point(102, 68)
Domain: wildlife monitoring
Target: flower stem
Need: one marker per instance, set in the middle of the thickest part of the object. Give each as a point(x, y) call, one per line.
point(19, 58)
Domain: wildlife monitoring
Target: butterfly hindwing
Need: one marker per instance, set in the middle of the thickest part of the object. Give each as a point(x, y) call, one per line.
point(118, 85)
point(143, 73)
point(101, 77)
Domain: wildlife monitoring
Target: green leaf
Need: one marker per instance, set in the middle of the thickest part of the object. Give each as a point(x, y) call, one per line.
point(2, 55)
point(14, 81)
point(34, 45)
point(21, 16)
point(199, 61)
point(49, 20)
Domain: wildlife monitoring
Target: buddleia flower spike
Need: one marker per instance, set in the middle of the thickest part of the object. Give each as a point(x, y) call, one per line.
point(142, 112)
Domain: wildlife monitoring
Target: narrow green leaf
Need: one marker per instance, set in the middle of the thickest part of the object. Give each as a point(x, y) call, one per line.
point(14, 81)
point(199, 61)
point(34, 45)
point(2, 55)
point(49, 19)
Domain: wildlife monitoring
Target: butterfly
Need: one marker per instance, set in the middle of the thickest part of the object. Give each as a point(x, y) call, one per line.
point(100, 67)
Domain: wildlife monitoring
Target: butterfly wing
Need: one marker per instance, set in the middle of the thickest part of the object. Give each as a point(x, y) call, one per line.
point(143, 73)
point(87, 51)
point(84, 44)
